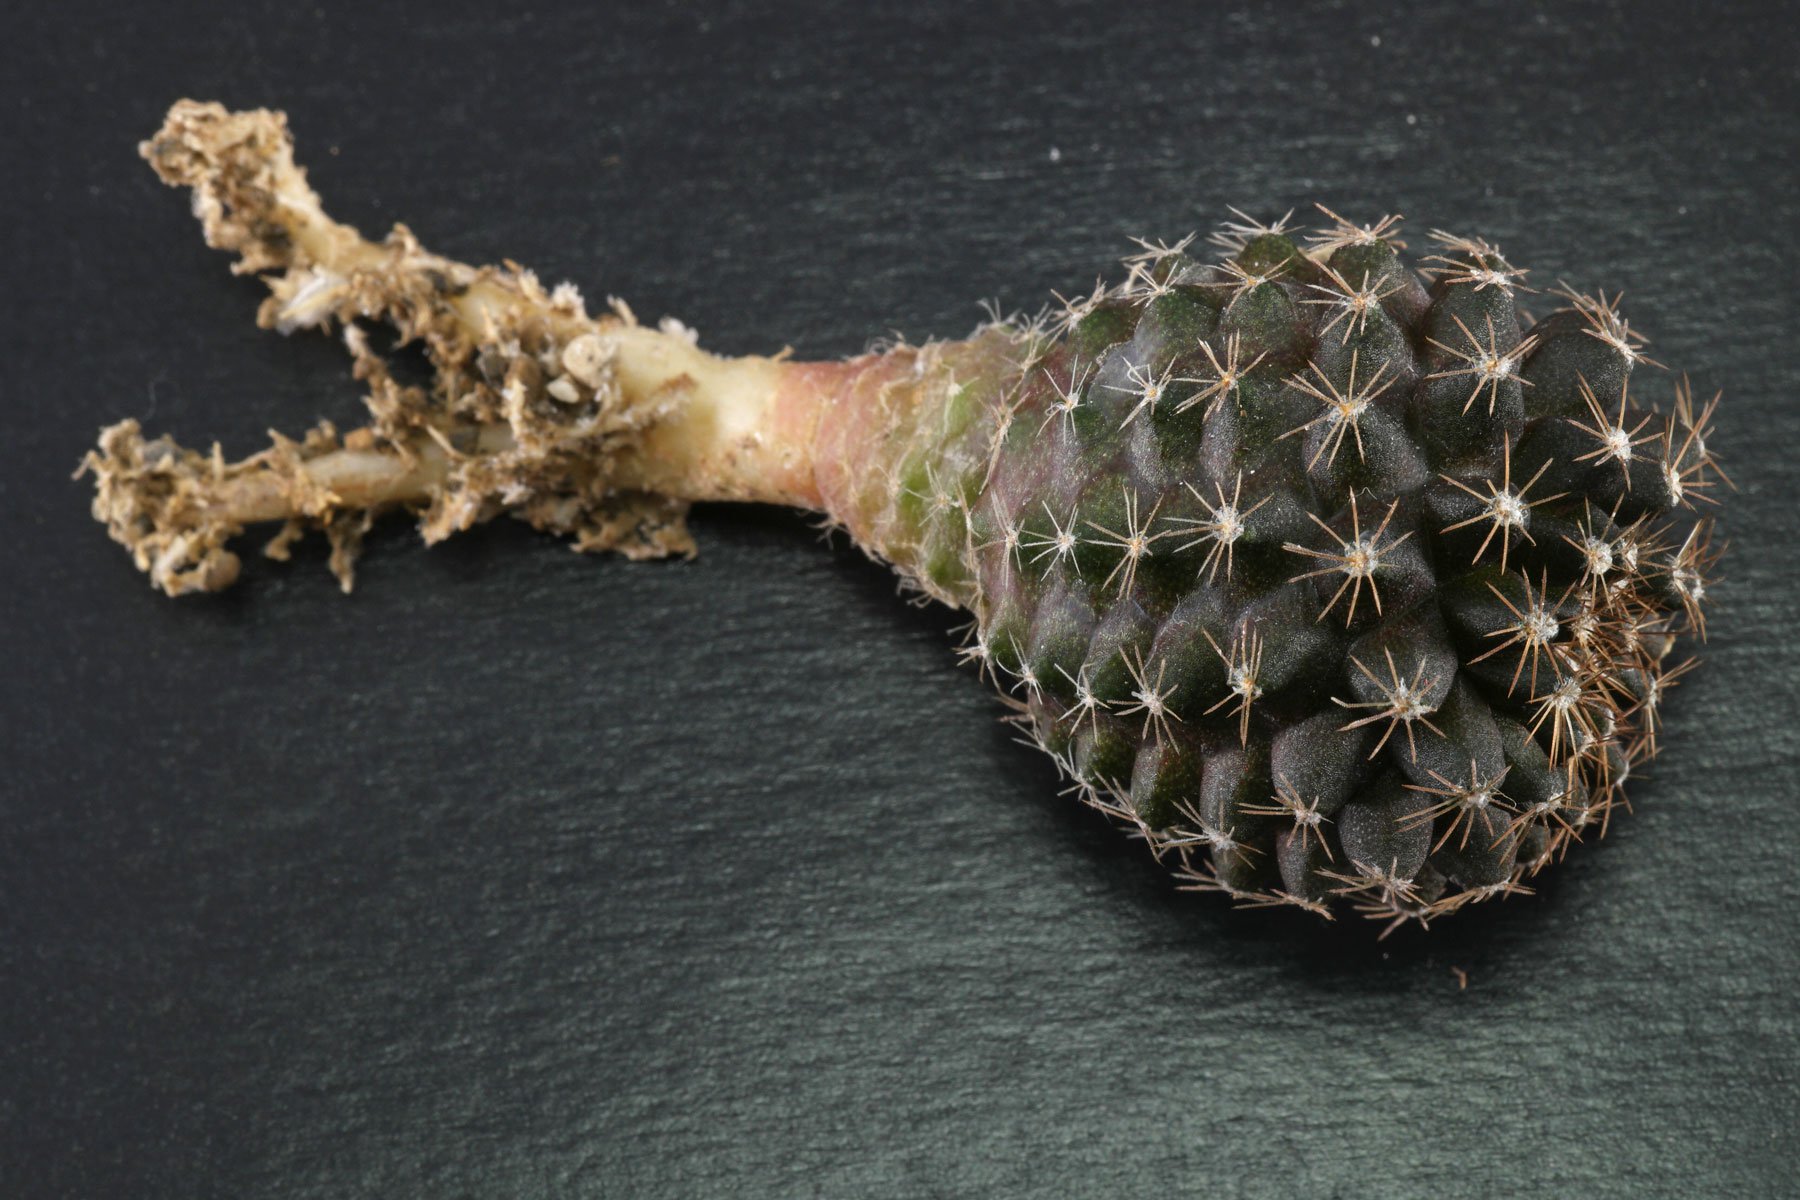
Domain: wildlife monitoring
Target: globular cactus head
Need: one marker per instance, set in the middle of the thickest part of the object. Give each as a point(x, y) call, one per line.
point(1333, 577)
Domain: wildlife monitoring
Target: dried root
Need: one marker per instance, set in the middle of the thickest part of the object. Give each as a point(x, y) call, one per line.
point(594, 427)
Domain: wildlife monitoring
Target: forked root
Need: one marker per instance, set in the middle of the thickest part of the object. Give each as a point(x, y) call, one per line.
point(595, 427)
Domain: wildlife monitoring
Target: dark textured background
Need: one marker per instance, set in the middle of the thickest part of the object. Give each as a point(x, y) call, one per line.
point(521, 873)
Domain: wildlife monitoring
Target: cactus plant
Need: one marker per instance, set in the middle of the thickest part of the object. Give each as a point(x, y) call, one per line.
point(1334, 578)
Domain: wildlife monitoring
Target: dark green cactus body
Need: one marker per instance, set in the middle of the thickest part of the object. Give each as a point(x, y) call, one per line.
point(1335, 579)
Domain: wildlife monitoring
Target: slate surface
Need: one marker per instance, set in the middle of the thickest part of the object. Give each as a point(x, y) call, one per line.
point(521, 873)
